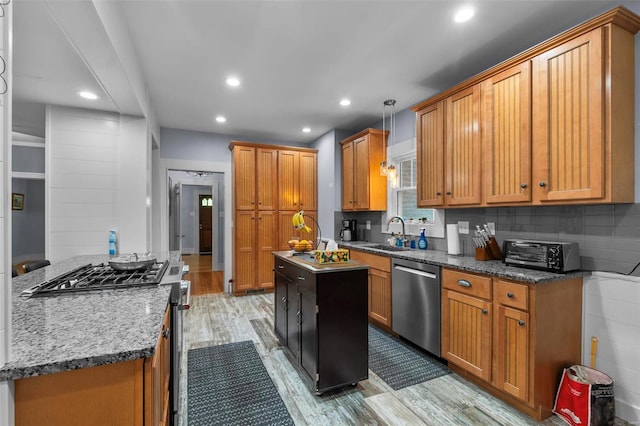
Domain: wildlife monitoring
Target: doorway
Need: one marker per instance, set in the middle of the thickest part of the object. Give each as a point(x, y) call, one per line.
point(205, 204)
point(195, 208)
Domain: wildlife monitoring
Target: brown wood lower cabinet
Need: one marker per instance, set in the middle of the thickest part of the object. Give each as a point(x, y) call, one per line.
point(125, 393)
point(512, 338)
point(379, 286)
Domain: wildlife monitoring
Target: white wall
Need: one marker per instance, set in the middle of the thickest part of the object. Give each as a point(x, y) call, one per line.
point(133, 195)
point(6, 388)
point(326, 183)
point(96, 181)
point(611, 314)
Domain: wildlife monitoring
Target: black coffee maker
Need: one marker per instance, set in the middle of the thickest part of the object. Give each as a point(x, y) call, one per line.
point(353, 226)
point(349, 231)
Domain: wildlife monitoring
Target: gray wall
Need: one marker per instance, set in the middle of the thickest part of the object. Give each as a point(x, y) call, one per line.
point(27, 225)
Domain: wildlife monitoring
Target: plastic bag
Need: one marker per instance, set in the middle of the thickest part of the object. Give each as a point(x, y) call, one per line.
point(585, 397)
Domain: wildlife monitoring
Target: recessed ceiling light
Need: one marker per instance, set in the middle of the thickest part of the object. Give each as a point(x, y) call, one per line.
point(345, 102)
point(233, 81)
point(306, 130)
point(463, 14)
point(88, 95)
point(221, 119)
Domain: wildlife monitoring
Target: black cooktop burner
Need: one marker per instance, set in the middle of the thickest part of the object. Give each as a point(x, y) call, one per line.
point(98, 277)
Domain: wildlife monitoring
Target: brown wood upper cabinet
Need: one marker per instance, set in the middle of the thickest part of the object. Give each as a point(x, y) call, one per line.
point(506, 135)
point(297, 180)
point(362, 186)
point(462, 148)
point(556, 124)
point(583, 119)
point(430, 155)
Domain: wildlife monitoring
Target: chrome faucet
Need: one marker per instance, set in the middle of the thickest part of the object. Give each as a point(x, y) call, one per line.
point(404, 236)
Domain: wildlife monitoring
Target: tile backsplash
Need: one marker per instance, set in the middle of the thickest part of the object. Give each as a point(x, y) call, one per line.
point(608, 235)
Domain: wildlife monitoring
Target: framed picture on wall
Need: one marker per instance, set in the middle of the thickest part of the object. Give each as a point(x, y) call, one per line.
point(17, 201)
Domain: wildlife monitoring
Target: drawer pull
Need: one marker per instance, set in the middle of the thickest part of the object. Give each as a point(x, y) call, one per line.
point(280, 266)
point(301, 278)
point(521, 323)
point(510, 295)
point(485, 311)
point(464, 283)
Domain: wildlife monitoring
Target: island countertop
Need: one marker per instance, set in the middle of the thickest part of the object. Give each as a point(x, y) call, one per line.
point(67, 332)
point(466, 263)
point(305, 261)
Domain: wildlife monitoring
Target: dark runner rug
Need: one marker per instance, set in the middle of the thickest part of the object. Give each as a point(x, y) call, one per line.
point(229, 385)
point(398, 363)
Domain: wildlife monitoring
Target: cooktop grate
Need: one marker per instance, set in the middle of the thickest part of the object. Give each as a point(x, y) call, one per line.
point(98, 277)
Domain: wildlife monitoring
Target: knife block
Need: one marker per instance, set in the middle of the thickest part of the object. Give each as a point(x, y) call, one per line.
point(490, 252)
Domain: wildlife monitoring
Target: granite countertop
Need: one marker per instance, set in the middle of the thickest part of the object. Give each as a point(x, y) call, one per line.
point(307, 262)
point(67, 332)
point(469, 264)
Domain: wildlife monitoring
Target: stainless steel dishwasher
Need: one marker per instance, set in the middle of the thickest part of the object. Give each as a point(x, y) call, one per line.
point(415, 300)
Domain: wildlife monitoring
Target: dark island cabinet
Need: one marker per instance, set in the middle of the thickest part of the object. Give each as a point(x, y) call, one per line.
point(321, 321)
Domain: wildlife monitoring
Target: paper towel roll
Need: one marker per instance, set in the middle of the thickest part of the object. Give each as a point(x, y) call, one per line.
point(453, 239)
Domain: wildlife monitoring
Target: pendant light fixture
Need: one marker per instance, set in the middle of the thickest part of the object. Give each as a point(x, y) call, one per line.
point(386, 168)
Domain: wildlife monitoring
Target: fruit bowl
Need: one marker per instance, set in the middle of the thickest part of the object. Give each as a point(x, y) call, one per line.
point(301, 246)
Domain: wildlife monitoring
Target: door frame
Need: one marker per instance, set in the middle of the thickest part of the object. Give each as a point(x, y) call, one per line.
point(215, 214)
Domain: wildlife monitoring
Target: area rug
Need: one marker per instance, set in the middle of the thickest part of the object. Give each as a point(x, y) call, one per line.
point(229, 385)
point(399, 364)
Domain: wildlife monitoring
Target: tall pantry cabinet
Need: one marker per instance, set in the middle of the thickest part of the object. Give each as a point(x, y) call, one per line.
point(270, 184)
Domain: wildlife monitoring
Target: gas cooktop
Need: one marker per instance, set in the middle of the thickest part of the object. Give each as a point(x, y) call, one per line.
point(98, 277)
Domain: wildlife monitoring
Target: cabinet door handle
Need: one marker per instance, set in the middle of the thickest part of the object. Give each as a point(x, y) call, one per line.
point(438, 193)
point(301, 278)
point(448, 192)
point(542, 184)
point(280, 266)
point(523, 185)
point(485, 311)
point(165, 333)
point(464, 283)
point(510, 295)
point(521, 323)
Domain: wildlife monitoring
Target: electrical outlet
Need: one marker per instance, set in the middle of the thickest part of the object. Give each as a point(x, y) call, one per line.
point(463, 227)
point(368, 225)
point(492, 227)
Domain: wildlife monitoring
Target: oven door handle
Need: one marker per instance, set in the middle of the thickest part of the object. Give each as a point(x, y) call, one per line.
point(187, 304)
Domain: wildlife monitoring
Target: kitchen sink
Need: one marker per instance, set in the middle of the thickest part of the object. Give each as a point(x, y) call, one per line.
point(386, 247)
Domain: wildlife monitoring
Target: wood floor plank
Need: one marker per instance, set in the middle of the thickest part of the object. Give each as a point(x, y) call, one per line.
point(392, 411)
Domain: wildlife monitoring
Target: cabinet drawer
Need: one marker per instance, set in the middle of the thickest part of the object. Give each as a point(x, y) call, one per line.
point(462, 282)
point(382, 263)
point(512, 294)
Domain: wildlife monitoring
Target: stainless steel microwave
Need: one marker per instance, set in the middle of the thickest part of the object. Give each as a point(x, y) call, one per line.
point(552, 256)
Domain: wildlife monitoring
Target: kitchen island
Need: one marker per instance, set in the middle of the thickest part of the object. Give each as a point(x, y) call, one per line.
point(321, 319)
point(89, 353)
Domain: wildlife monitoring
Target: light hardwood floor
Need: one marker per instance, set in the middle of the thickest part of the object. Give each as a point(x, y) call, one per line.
point(203, 279)
point(450, 400)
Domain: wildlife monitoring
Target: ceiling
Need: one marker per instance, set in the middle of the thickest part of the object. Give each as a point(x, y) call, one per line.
point(295, 59)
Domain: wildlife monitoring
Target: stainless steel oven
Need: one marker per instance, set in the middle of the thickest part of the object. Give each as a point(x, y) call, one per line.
point(179, 300)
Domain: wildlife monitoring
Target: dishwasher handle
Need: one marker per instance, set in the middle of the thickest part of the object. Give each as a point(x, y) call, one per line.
point(416, 272)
